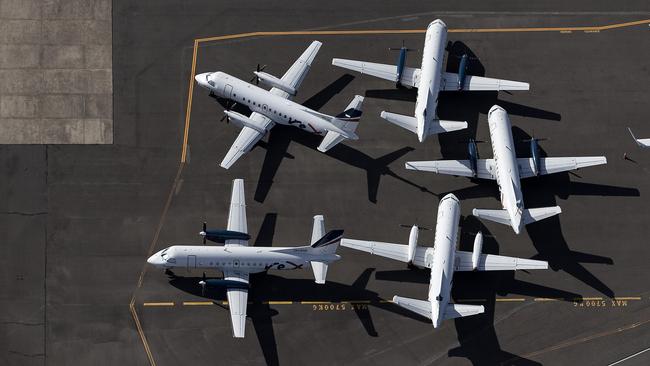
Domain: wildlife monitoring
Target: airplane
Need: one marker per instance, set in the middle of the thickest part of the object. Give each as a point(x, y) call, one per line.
point(443, 259)
point(430, 80)
point(641, 142)
point(507, 170)
point(276, 106)
point(237, 260)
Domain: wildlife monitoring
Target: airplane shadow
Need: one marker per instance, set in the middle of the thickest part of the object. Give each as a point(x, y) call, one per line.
point(476, 334)
point(281, 137)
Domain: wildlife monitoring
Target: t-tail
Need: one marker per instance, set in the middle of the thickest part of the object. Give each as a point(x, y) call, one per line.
point(344, 125)
point(423, 127)
point(323, 248)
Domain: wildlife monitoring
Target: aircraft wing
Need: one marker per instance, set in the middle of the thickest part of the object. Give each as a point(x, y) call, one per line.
point(383, 71)
point(492, 262)
point(479, 83)
point(297, 72)
point(237, 302)
point(237, 214)
point(556, 165)
point(246, 139)
point(484, 167)
point(397, 252)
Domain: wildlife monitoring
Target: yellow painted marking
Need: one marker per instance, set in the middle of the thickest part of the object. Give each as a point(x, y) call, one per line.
point(278, 302)
point(628, 298)
point(587, 298)
point(188, 112)
point(548, 299)
point(511, 300)
point(138, 326)
point(313, 302)
point(158, 304)
point(386, 301)
point(197, 303)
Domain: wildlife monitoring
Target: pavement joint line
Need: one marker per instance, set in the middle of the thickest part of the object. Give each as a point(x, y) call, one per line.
point(158, 304)
point(630, 356)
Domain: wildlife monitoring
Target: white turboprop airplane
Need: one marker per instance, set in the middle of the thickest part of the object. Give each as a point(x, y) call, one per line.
point(275, 106)
point(430, 80)
point(640, 142)
point(508, 170)
point(237, 260)
point(443, 259)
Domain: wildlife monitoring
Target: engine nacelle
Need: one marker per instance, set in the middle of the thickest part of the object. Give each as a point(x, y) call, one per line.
point(476, 252)
point(272, 81)
point(534, 152)
point(242, 121)
point(473, 156)
point(413, 243)
point(462, 71)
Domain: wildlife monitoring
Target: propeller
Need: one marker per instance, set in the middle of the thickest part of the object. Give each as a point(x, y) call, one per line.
point(203, 232)
point(203, 283)
point(409, 226)
point(403, 47)
point(255, 78)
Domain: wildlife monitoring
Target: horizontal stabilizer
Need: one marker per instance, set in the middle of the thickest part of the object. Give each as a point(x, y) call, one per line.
point(330, 140)
point(460, 310)
point(499, 216)
point(421, 307)
point(406, 122)
point(399, 252)
point(540, 213)
point(640, 142)
point(320, 271)
point(441, 126)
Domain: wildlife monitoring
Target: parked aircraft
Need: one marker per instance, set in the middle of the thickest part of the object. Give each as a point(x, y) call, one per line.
point(430, 80)
point(275, 106)
point(508, 170)
point(443, 259)
point(237, 260)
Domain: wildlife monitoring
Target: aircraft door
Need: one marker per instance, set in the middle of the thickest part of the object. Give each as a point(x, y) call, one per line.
point(227, 91)
point(191, 262)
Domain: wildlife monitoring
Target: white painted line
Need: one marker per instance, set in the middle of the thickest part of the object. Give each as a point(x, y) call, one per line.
point(628, 357)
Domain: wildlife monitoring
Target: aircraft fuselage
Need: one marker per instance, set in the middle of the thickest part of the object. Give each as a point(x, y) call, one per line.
point(442, 265)
point(249, 259)
point(275, 107)
point(430, 76)
point(507, 169)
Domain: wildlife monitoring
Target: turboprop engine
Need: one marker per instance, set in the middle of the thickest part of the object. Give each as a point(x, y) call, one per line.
point(476, 252)
point(274, 82)
point(413, 243)
point(240, 120)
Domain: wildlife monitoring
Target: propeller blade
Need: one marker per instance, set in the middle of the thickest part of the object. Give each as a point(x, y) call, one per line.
point(204, 231)
point(409, 226)
point(202, 283)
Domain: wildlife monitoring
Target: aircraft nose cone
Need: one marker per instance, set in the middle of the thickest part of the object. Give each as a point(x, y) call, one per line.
point(200, 78)
point(155, 260)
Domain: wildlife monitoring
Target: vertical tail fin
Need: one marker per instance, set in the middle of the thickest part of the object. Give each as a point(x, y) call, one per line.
point(325, 245)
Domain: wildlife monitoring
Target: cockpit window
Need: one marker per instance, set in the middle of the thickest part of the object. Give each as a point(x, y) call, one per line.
point(171, 260)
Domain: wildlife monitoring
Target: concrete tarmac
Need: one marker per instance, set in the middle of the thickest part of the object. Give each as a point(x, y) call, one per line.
point(81, 220)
